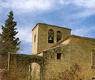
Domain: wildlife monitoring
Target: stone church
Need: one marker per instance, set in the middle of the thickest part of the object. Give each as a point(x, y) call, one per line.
point(56, 55)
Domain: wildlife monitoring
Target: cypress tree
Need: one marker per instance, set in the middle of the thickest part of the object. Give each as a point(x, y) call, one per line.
point(10, 43)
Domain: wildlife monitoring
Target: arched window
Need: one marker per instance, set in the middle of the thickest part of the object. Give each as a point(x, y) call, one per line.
point(59, 36)
point(50, 36)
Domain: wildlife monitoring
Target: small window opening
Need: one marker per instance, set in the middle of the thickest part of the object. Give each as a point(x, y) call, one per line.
point(59, 36)
point(34, 38)
point(93, 58)
point(58, 55)
point(50, 36)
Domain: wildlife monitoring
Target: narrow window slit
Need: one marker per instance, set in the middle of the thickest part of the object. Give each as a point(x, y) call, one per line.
point(58, 55)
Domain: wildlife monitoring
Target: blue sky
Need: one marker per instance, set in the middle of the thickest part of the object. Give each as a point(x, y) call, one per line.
point(79, 15)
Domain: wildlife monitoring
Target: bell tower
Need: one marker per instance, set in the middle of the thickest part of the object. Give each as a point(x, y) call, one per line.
point(44, 36)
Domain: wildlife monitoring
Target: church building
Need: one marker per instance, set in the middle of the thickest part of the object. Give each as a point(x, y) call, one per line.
point(56, 55)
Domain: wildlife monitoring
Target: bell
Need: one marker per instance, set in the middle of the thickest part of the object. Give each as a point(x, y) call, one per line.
point(50, 38)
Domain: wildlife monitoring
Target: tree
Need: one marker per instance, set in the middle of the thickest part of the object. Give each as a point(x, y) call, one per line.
point(9, 42)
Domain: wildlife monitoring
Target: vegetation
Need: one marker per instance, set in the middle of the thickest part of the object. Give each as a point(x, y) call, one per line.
point(9, 42)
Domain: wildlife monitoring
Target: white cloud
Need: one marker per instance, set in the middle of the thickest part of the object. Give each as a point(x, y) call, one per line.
point(83, 31)
point(25, 34)
point(61, 1)
point(86, 3)
point(80, 32)
point(85, 7)
point(81, 3)
point(84, 13)
point(45, 5)
point(27, 5)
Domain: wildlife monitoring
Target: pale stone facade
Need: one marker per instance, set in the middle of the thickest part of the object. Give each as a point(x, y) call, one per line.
point(76, 61)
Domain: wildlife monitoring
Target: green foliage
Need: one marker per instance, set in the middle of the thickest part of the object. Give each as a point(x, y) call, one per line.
point(9, 42)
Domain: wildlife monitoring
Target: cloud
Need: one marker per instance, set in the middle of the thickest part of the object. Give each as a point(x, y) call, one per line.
point(83, 31)
point(85, 3)
point(45, 5)
point(25, 34)
point(84, 13)
point(80, 3)
point(27, 5)
point(84, 8)
point(25, 48)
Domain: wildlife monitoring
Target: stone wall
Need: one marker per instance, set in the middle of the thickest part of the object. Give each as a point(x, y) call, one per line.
point(3, 67)
point(18, 67)
point(75, 62)
point(53, 66)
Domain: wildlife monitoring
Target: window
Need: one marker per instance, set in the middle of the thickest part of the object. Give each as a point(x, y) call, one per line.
point(58, 55)
point(50, 36)
point(34, 38)
point(93, 59)
point(59, 36)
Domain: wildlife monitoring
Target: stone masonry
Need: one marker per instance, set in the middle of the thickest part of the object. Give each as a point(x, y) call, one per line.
point(56, 55)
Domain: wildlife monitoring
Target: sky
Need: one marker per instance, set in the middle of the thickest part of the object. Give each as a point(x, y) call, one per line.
point(78, 15)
